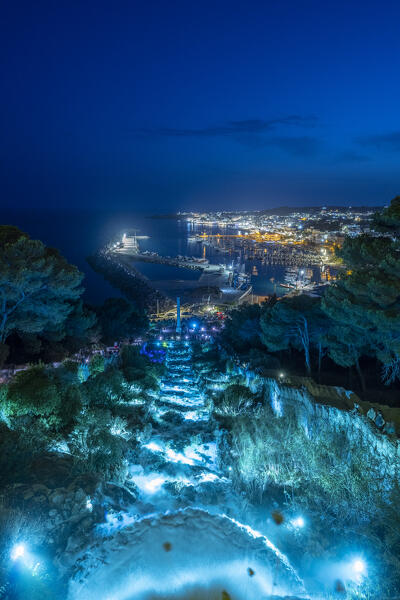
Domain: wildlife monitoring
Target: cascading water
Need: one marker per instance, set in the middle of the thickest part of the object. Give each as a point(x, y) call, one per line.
point(177, 540)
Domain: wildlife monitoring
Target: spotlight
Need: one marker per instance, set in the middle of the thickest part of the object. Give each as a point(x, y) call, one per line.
point(18, 551)
point(298, 522)
point(359, 566)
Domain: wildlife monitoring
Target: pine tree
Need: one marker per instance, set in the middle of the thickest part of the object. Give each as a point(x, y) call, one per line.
point(38, 287)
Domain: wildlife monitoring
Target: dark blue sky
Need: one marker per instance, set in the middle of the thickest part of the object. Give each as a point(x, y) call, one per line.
point(157, 106)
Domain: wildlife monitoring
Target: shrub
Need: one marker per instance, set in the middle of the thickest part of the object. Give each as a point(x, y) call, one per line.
point(34, 393)
point(97, 364)
point(94, 447)
point(106, 389)
point(327, 467)
point(71, 406)
point(236, 399)
point(17, 449)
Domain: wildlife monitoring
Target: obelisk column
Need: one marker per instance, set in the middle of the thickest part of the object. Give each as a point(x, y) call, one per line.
point(178, 315)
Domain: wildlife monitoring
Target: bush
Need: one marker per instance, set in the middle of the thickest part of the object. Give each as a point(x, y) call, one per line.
point(235, 400)
point(106, 389)
point(17, 450)
point(131, 357)
point(326, 468)
point(71, 406)
point(34, 393)
point(338, 481)
point(67, 373)
point(94, 447)
point(97, 364)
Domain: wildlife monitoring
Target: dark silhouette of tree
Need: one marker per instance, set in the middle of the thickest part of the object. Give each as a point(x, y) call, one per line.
point(388, 220)
point(293, 322)
point(120, 319)
point(242, 328)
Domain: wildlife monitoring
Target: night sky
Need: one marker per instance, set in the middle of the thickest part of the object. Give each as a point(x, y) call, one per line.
point(159, 106)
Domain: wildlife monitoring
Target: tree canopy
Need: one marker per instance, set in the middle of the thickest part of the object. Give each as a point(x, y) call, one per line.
point(364, 303)
point(38, 287)
point(293, 322)
point(120, 319)
point(242, 328)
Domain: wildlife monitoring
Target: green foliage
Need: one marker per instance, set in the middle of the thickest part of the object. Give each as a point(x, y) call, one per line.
point(9, 234)
point(388, 220)
point(19, 583)
point(38, 287)
point(293, 322)
point(105, 389)
point(236, 399)
point(95, 449)
point(242, 328)
point(80, 327)
point(97, 364)
point(331, 473)
point(17, 449)
point(67, 373)
point(259, 359)
point(71, 406)
point(365, 302)
point(34, 393)
point(329, 469)
point(139, 369)
point(131, 357)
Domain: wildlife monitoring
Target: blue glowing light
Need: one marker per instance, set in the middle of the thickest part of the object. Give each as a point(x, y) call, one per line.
point(358, 566)
point(298, 522)
point(17, 551)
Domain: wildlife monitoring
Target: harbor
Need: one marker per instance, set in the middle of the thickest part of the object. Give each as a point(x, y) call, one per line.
point(215, 282)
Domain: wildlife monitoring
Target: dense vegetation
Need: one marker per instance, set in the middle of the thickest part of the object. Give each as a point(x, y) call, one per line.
point(73, 420)
point(332, 467)
point(337, 480)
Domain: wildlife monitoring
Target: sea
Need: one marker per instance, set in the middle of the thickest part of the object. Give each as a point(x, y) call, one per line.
point(79, 234)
